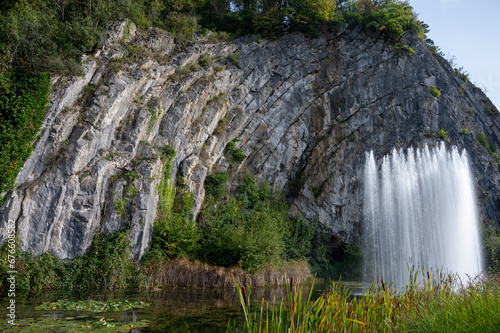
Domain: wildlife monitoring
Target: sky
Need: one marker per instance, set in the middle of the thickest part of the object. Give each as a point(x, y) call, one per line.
point(469, 32)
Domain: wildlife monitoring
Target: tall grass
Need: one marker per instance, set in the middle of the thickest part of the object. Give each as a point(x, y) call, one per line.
point(183, 272)
point(475, 308)
point(432, 305)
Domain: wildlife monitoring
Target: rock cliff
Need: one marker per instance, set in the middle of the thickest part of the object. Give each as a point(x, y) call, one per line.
point(306, 110)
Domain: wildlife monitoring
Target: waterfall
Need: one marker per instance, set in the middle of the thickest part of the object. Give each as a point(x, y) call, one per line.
point(420, 207)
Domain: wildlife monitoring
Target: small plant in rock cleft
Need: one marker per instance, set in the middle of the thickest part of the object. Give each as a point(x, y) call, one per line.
point(435, 91)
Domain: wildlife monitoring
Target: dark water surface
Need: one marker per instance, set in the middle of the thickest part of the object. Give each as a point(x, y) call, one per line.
point(171, 310)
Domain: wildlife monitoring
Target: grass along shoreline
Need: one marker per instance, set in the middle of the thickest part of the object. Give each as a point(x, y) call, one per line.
point(433, 305)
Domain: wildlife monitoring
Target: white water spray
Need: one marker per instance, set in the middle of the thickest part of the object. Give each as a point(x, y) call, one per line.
point(420, 207)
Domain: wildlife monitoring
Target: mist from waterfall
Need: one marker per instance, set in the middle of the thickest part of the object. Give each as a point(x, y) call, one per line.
point(420, 207)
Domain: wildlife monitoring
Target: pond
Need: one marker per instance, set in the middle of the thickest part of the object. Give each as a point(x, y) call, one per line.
point(169, 310)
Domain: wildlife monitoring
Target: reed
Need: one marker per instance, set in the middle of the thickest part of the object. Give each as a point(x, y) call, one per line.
point(433, 304)
point(183, 272)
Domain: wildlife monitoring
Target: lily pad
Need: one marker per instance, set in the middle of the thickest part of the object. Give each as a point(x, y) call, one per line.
point(92, 306)
point(70, 325)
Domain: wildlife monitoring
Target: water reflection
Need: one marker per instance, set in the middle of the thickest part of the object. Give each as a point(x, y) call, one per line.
point(171, 310)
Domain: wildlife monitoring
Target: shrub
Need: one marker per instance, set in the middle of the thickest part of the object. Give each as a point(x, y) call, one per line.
point(23, 99)
point(180, 72)
point(219, 68)
point(218, 99)
point(205, 60)
point(168, 152)
point(235, 59)
point(106, 265)
point(231, 146)
point(181, 26)
point(215, 185)
point(234, 154)
point(402, 50)
point(491, 241)
point(442, 134)
point(496, 157)
point(234, 236)
point(462, 74)
point(490, 110)
point(435, 91)
point(298, 239)
point(483, 141)
point(246, 231)
point(238, 156)
point(315, 190)
point(174, 234)
point(33, 273)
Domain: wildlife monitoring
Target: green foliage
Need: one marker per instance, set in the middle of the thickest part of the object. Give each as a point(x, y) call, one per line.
point(246, 231)
point(490, 110)
point(234, 154)
point(235, 59)
point(437, 304)
point(442, 134)
point(120, 206)
point(465, 131)
point(130, 176)
point(483, 141)
point(174, 234)
point(215, 185)
point(496, 157)
point(168, 152)
point(299, 239)
point(92, 306)
point(23, 99)
point(238, 156)
point(466, 309)
point(490, 147)
point(491, 241)
point(40, 36)
point(106, 265)
point(231, 146)
point(184, 70)
point(93, 323)
point(254, 229)
point(175, 237)
point(181, 26)
point(462, 74)
point(153, 116)
point(218, 99)
point(36, 273)
point(402, 50)
point(219, 68)
point(205, 60)
point(388, 16)
point(316, 190)
point(250, 194)
point(435, 91)
point(220, 126)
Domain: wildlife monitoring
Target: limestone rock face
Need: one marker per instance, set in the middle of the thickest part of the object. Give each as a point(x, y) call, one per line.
point(306, 111)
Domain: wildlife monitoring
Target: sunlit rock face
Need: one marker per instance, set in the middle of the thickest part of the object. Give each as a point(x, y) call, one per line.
point(306, 109)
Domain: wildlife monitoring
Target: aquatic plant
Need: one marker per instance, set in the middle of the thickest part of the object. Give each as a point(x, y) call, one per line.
point(436, 304)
